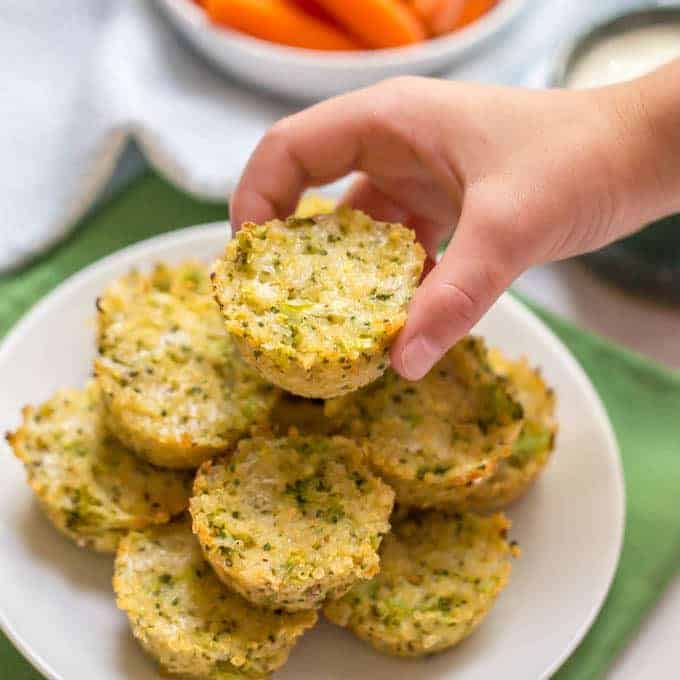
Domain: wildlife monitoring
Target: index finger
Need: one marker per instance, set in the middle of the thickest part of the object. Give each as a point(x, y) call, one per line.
point(306, 149)
point(368, 130)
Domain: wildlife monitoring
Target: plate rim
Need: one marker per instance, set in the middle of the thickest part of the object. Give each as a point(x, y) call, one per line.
point(207, 230)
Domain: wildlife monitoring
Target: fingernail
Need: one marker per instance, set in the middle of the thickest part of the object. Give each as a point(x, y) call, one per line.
point(418, 357)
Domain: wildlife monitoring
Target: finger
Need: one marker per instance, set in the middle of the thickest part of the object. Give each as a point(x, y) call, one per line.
point(365, 195)
point(451, 299)
point(310, 148)
point(429, 265)
point(430, 234)
point(425, 207)
point(357, 131)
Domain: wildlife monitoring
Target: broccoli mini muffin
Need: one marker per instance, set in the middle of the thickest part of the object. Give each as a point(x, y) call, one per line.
point(185, 618)
point(289, 522)
point(91, 487)
point(439, 577)
point(315, 302)
point(530, 452)
point(174, 388)
point(429, 438)
point(312, 205)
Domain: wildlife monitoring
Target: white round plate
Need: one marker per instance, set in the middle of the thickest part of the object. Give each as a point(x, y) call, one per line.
point(56, 602)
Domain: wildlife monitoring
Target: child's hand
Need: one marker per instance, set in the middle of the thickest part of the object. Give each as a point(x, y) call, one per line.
point(525, 177)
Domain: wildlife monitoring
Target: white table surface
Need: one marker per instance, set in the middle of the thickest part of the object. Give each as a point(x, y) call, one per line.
point(653, 330)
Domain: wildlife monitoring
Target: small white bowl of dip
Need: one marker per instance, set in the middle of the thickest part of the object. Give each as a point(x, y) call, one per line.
point(620, 48)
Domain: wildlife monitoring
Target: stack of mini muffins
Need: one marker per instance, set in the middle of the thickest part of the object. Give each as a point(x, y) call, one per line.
point(315, 478)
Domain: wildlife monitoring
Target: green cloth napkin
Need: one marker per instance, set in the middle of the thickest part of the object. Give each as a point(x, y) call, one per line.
point(642, 399)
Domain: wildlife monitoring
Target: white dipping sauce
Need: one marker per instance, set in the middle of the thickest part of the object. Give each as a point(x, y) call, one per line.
point(631, 53)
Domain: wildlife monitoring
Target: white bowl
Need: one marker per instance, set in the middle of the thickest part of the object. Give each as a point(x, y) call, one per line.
point(313, 74)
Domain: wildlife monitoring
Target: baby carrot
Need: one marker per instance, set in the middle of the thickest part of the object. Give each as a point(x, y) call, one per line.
point(378, 23)
point(449, 16)
point(310, 7)
point(444, 16)
point(439, 16)
point(280, 22)
point(422, 9)
point(425, 9)
point(473, 10)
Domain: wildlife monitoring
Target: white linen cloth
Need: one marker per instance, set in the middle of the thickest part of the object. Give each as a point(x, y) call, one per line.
point(82, 77)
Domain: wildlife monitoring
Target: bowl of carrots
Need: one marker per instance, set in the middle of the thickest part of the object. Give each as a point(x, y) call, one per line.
point(312, 49)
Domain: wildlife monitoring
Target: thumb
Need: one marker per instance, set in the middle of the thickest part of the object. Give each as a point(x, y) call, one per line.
point(452, 298)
